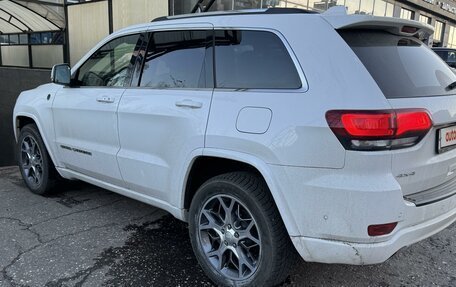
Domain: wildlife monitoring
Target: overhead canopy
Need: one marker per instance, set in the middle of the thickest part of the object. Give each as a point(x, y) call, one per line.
point(21, 16)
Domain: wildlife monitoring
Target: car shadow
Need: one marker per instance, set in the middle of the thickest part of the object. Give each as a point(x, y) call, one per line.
point(156, 254)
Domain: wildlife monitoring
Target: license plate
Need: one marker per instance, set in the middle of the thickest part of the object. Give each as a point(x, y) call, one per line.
point(446, 139)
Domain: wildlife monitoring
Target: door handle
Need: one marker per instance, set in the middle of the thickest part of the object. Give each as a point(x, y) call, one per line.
point(189, 104)
point(106, 99)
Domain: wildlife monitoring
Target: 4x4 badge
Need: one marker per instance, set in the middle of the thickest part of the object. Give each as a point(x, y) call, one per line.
point(405, 174)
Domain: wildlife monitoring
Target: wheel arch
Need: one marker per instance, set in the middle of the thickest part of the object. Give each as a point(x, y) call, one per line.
point(214, 162)
point(23, 119)
point(20, 122)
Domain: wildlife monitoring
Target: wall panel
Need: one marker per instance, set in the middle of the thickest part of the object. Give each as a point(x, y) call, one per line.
point(15, 56)
point(46, 56)
point(129, 12)
point(87, 24)
point(12, 82)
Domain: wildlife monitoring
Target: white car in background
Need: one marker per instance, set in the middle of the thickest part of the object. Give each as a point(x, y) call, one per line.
point(272, 133)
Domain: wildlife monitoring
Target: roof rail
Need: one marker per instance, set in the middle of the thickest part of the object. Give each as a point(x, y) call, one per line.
point(289, 11)
point(239, 12)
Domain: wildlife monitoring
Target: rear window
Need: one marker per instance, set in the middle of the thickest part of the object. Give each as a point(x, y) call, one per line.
point(403, 67)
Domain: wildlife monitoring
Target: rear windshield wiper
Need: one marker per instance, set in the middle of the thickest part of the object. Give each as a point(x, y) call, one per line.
point(451, 86)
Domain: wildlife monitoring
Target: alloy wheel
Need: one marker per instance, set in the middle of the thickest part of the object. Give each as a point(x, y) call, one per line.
point(229, 237)
point(31, 160)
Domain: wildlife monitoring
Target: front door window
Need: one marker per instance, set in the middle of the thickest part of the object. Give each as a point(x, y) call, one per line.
point(111, 65)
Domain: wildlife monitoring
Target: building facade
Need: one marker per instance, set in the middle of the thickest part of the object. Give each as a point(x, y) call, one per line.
point(439, 13)
point(70, 28)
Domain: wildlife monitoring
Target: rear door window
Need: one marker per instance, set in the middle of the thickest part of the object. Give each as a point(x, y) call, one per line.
point(403, 67)
point(253, 60)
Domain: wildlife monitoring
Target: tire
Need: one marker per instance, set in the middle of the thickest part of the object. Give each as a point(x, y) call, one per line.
point(265, 251)
point(36, 166)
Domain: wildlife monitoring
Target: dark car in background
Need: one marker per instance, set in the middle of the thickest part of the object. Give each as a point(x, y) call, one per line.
point(448, 55)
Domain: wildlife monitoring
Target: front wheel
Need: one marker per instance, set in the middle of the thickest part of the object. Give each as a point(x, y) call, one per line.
point(237, 233)
point(34, 162)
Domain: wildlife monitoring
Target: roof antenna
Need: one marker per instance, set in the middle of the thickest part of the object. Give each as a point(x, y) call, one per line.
point(199, 7)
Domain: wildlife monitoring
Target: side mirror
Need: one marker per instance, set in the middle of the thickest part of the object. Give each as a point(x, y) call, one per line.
point(61, 74)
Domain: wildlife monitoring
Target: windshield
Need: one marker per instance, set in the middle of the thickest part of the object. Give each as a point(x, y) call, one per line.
point(403, 67)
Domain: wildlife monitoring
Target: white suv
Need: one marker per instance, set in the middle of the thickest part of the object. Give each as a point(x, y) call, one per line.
point(269, 132)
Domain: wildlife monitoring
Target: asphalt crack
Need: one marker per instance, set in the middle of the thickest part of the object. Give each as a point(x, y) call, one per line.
point(27, 226)
point(4, 271)
point(43, 243)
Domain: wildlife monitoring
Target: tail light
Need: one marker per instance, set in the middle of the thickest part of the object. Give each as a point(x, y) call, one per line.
point(409, 30)
point(379, 130)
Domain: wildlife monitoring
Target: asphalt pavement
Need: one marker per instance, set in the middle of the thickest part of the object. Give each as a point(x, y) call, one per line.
point(86, 236)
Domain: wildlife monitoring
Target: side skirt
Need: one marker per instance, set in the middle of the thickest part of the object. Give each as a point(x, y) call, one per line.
point(176, 212)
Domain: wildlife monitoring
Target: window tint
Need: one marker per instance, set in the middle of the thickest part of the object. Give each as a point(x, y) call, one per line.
point(451, 56)
point(46, 38)
point(403, 67)
point(35, 38)
point(442, 54)
point(253, 60)
point(448, 56)
point(111, 65)
point(4, 39)
point(138, 57)
point(23, 38)
point(178, 59)
point(14, 39)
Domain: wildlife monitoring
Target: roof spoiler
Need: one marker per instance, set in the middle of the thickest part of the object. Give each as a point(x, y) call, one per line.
point(337, 17)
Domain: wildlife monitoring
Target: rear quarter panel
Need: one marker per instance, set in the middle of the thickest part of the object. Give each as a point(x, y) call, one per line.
point(298, 134)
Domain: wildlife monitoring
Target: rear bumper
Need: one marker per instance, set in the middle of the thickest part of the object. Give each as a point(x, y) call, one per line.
point(332, 251)
point(332, 210)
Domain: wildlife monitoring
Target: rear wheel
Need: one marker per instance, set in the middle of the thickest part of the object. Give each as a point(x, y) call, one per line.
point(34, 162)
point(237, 233)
